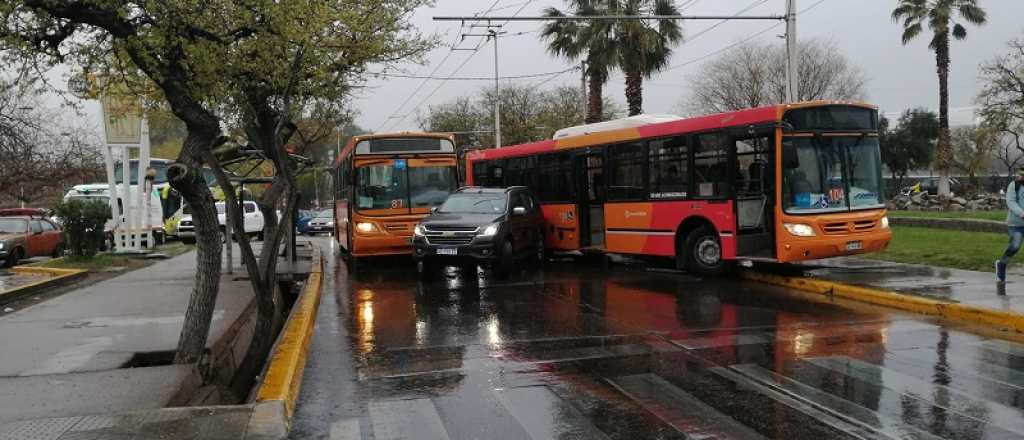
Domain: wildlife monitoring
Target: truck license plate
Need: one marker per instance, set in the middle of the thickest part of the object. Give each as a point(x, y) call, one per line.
point(854, 245)
point(447, 251)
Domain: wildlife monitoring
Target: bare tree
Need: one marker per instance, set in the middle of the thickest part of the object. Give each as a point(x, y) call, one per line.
point(528, 114)
point(1001, 102)
point(753, 74)
point(38, 157)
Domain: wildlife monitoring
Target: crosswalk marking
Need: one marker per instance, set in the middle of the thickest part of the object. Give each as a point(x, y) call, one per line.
point(407, 420)
point(347, 429)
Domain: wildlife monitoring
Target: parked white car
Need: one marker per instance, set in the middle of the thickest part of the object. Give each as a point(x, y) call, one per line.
point(100, 192)
point(252, 219)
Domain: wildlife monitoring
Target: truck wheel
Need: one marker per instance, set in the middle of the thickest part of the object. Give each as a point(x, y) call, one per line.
point(703, 250)
point(502, 267)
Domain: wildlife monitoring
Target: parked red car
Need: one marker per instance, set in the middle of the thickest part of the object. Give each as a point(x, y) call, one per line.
point(26, 233)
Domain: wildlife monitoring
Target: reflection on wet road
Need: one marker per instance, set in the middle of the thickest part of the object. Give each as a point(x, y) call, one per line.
point(576, 351)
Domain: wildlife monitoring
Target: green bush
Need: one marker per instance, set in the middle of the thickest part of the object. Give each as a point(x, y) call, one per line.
point(83, 223)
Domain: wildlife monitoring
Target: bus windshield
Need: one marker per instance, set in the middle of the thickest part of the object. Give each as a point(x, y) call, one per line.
point(831, 173)
point(133, 167)
point(396, 185)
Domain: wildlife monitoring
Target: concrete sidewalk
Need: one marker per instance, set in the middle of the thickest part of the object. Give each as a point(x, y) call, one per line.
point(67, 357)
point(936, 283)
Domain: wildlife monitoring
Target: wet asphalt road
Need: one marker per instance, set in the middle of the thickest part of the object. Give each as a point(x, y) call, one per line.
point(578, 351)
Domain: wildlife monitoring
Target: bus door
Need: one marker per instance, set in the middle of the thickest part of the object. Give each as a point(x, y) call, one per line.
point(590, 175)
point(753, 187)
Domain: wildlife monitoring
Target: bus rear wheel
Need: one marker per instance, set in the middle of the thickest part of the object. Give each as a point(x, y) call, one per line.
point(703, 251)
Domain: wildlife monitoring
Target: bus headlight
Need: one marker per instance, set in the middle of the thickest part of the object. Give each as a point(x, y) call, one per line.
point(418, 230)
point(489, 231)
point(885, 222)
point(365, 227)
point(799, 229)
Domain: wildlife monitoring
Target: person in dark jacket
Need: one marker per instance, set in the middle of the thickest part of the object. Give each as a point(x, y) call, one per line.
point(1014, 223)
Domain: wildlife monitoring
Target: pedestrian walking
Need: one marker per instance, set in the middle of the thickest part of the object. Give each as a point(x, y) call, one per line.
point(1014, 222)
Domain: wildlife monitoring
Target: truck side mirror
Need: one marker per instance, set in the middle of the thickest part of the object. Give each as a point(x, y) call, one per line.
point(433, 210)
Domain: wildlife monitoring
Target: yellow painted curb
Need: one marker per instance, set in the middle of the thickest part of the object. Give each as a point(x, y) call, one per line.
point(1001, 320)
point(283, 376)
point(56, 277)
point(51, 271)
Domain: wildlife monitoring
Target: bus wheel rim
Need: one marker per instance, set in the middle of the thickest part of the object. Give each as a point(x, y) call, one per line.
point(709, 252)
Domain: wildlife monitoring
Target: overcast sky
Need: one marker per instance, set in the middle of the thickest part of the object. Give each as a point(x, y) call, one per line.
point(899, 76)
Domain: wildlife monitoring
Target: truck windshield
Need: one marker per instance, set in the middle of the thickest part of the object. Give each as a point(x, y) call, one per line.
point(831, 173)
point(474, 204)
point(398, 186)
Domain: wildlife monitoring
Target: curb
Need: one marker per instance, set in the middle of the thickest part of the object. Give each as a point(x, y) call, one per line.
point(997, 319)
point(280, 385)
point(57, 277)
point(954, 224)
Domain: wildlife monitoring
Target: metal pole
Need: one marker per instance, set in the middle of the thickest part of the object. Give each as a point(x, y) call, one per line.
point(115, 214)
point(126, 200)
point(497, 94)
point(227, 236)
point(792, 57)
point(583, 88)
point(145, 196)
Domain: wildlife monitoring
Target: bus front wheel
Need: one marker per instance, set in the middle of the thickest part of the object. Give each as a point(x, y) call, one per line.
point(703, 250)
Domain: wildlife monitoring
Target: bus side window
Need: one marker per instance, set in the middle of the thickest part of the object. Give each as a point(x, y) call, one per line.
point(669, 161)
point(710, 165)
point(555, 182)
point(627, 180)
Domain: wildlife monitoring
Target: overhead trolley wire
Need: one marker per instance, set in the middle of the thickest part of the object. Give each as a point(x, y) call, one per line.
point(451, 50)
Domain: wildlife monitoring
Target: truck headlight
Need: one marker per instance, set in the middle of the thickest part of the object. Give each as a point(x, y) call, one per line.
point(365, 227)
point(885, 222)
point(1, 246)
point(489, 231)
point(418, 230)
point(799, 229)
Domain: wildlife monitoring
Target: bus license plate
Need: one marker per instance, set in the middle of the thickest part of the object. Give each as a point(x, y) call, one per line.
point(854, 245)
point(447, 251)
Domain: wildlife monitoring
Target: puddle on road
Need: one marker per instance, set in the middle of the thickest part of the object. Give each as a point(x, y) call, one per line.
point(580, 352)
point(11, 280)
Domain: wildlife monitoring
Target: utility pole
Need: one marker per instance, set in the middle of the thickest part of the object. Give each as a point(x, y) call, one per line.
point(583, 88)
point(493, 32)
point(792, 57)
point(497, 92)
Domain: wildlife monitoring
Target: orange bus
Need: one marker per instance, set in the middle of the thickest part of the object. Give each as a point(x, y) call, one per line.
point(780, 183)
point(384, 185)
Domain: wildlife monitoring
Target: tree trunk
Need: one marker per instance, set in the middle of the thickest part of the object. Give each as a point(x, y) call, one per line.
point(270, 138)
point(595, 100)
point(943, 149)
point(634, 91)
point(187, 178)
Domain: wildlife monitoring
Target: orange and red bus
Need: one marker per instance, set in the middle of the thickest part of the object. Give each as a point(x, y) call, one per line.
point(780, 183)
point(384, 185)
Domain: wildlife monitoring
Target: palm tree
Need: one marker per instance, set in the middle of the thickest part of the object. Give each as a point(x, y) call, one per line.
point(592, 41)
point(939, 16)
point(644, 49)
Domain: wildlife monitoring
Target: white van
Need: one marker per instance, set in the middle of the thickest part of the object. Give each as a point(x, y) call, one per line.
point(252, 218)
point(100, 192)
